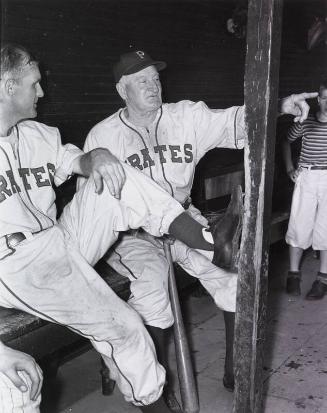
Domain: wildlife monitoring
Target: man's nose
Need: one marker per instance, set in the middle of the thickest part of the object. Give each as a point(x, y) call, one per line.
point(154, 86)
point(40, 92)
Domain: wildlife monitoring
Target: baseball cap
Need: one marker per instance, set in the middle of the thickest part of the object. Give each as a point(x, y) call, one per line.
point(133, 62)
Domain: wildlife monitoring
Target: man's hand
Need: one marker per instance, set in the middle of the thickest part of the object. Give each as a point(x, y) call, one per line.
point(12, 361)
point(296, 105)
point(101, 165)
point(293, 174)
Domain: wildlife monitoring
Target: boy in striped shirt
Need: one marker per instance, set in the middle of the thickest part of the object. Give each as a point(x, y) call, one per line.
point(308, 221)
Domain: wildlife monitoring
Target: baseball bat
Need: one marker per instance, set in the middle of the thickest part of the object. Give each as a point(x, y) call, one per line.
point(188, 390)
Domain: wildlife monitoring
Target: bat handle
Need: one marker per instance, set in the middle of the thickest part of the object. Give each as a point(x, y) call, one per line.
point(188, 389)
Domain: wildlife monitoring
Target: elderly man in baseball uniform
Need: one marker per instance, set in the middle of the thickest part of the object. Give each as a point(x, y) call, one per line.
point(165, 142)
point(45, 264)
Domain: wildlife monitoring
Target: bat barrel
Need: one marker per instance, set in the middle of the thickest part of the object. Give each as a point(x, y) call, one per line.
point(188, 389)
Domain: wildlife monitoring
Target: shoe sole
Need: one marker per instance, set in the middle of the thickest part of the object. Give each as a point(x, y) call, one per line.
point(314, 298)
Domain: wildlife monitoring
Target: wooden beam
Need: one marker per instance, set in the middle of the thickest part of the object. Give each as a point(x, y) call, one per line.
point(261, 89)
point(2, 21)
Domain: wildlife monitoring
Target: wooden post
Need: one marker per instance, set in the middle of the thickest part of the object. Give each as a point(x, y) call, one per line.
point(2, 21)
point(261, 89)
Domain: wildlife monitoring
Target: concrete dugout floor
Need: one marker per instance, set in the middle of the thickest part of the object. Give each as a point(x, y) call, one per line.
point(295, 369)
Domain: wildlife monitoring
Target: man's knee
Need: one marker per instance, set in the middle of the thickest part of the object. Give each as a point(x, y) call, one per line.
point(151, 301)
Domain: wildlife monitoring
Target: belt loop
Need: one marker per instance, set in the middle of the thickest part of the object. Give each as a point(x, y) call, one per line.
point(28, 235)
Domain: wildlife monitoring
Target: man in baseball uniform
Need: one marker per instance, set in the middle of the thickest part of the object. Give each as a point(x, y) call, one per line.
point(165, 142)
point(45, 264)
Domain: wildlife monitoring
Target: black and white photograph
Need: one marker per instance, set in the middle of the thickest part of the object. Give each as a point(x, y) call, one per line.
point(163, 240)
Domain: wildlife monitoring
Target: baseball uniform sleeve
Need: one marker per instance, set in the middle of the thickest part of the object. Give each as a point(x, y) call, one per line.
point(66, 155)
point(218, 127)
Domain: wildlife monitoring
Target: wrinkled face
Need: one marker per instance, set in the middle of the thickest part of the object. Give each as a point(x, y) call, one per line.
point(27, 91)
point(143, 90)
point(322, 101)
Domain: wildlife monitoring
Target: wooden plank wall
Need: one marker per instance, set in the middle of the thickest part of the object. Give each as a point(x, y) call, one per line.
point(301, 69)
point(77, 42)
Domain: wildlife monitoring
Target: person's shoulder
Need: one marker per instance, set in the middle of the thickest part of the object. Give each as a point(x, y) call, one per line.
point(309, 122)
point(311, 118)
point(32, 127)
point(182, 106)
point(110, 122)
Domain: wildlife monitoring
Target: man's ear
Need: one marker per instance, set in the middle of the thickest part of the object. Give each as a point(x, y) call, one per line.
point(121, 90)
point(10, 86)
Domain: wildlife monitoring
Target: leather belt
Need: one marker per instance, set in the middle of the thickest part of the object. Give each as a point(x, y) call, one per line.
point(314, 167)
point(14, 239)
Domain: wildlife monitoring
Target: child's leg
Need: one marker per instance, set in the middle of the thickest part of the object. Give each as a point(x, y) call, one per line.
point(295, 258)
point(300, 226)
point(319, 286)
point(323, 261)
point(319, 242)
point(294, 274)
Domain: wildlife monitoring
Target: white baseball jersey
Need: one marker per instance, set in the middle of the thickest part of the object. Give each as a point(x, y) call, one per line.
point(32, 158)
point(168, 152)
point(170, 148)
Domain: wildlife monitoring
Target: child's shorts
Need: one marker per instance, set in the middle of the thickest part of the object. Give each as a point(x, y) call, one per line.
point(308, 221)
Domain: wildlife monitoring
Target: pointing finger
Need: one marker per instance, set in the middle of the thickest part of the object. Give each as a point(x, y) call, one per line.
point(309, 95)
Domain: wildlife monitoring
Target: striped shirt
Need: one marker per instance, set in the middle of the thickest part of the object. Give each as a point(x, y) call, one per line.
point(314, 140)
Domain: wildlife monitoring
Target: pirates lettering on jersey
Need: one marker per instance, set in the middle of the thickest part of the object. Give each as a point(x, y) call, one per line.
point(174, 153)
point(41, 176)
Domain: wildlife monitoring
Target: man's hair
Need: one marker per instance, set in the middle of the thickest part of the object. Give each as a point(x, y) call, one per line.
point(123, 81)
point(323, 85)
point(14, 60)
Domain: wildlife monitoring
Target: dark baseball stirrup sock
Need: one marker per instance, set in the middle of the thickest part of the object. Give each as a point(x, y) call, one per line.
point(186, 229)
point(160, 338)
point(157, 407)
